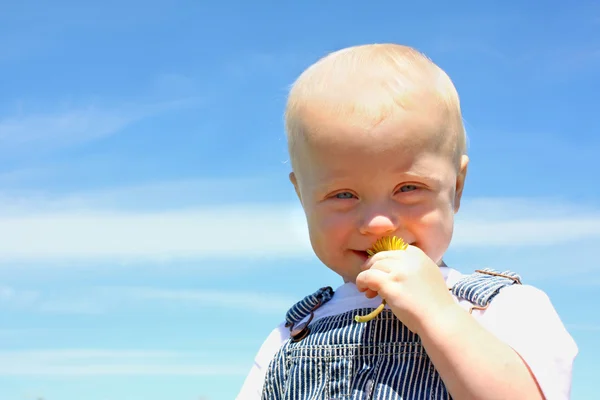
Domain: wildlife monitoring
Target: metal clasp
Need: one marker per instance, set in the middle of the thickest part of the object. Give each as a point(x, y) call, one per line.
point(301, 331)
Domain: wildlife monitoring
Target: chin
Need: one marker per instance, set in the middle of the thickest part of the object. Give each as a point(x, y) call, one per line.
point(347, 267)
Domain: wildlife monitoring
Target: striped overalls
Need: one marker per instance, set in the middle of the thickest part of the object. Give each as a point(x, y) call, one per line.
point(338, 358)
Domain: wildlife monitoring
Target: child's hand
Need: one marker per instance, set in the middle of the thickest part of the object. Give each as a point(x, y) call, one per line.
point(411, 284)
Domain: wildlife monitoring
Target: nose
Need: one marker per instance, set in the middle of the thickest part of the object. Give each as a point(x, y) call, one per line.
point(379, 225)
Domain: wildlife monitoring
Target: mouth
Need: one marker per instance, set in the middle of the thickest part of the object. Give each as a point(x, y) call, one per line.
point(362, 254)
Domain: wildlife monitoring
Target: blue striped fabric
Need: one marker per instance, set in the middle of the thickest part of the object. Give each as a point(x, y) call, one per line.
point(343, 359)
point(380, 359)
point(302, 308)
point(480, 288)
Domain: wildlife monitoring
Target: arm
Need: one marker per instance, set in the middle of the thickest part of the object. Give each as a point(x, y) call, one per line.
point(483, 358)
point(472, 362)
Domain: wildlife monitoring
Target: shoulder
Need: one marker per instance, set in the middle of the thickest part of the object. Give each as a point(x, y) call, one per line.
point(253, 384)
point(523, 316)
point(271, 344)
point(507, 304)
point(523, 310)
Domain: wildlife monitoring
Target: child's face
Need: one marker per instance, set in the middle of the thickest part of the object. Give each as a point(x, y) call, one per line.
point(359, 183)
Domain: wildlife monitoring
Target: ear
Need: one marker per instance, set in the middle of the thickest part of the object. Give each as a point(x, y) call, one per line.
point(294, 181)
point(460, 181)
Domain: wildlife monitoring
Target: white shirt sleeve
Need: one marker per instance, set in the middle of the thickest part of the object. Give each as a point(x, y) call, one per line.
point(523, 317)
point(253, 385)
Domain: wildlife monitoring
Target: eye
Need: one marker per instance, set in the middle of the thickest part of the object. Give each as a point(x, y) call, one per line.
point(408, 188)
point(344, 195)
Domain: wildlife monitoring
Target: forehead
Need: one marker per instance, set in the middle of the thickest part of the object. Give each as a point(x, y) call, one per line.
point(403, 131)
point(342, 149)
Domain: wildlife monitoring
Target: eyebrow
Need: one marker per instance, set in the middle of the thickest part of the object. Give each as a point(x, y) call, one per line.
point(345, 182)
point(424, 177)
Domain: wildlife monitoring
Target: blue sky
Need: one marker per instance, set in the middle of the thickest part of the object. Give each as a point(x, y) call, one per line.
point(149, 238)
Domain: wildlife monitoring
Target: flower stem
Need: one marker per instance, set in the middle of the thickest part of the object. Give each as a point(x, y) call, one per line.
point(371, 315)
point(383, 244)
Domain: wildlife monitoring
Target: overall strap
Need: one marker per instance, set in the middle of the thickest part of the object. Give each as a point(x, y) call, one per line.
point(482, 286)
point(308, 304)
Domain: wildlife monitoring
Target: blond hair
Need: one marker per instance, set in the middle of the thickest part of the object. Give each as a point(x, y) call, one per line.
point(368, 82)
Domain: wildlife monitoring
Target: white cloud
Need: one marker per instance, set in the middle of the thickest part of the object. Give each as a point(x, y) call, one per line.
point(102, 300)
point(173, 194)
point(26, 300)
point(79, 354)
point(251, 301)
point(82, 306)
point(523, 232)
point(252, 64)
point(488, 222)
point(17, 298)
point(74, 125)
point(60, 231)
point(583, 327)
point(82, 362)
point(10, 334)
point(230, 231)
point(503, 208)
point(21, 368)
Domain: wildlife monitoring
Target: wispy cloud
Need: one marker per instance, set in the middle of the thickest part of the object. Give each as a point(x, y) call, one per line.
point(33, 300)
point(156, 195)
point(257, 230)
point(584, 327)
point(102, 300)
point(490, 222)
point(73, 125)
point(470, 45)
point(43, 131)
point(585, 281)
point(154, 236)
point(83, 306)
point(524, 232)
point(569, 60)
point(251, 301)
point(259, 63)
point(86, 362)
point(12, 297)
point(7, 334)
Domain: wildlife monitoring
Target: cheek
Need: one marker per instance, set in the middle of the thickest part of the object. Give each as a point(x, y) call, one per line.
point(329, 228)
point(331, 222)
point(433, 230)
point(438, 221)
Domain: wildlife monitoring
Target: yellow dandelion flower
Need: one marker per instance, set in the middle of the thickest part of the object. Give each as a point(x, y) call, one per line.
point(386, 243)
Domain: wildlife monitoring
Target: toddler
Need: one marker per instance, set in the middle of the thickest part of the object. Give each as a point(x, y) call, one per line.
point(378, 149)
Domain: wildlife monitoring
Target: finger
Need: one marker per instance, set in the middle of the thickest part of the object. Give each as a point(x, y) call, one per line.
point(415, 253)
point(369, 293)
point(381, 256)
point(372, 279)
point(390, 265)
point(413, 249)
